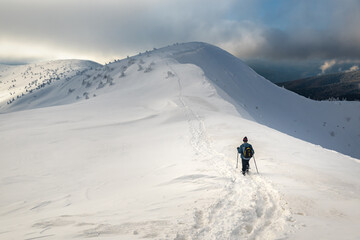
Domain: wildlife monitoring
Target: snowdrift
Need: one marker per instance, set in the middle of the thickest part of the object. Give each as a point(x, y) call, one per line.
point(329, 124)
point(333, 125)
point(145, 148)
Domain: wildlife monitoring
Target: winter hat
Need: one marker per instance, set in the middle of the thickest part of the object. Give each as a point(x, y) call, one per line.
point(245, 139)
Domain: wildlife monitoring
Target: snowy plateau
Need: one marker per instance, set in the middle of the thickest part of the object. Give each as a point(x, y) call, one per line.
point(145, 148)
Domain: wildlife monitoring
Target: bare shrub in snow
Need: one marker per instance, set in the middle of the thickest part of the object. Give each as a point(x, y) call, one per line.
point(86, 95)
point(131, 62)
point(149, 68)
point(110, 81)
point(170, 74)
point(101, 85)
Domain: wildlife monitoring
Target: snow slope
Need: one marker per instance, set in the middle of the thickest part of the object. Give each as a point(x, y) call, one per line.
point(334, 125)
point(145, 148)
point(19, 81)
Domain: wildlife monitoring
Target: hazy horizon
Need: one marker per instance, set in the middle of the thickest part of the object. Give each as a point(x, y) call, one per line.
point(325, 31)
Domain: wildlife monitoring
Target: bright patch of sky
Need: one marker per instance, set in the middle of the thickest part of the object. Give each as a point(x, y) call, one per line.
point(108, 29)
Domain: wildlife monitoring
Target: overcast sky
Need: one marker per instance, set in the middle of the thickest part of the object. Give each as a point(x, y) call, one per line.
point(102, 30)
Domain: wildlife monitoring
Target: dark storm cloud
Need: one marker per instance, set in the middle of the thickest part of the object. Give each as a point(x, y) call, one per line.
point(258, 28)
point(305, 44)
point(328, 29)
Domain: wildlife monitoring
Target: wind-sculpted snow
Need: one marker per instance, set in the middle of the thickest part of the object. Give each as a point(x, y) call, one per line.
point(250, 212)
point(22, 85)
point(334, 125)
point(145, 147)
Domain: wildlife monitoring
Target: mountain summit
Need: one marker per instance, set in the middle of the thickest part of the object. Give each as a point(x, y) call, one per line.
point(329, 124)
point(145, 147)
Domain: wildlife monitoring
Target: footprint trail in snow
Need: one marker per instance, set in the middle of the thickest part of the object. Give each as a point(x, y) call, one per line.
point(246, 208)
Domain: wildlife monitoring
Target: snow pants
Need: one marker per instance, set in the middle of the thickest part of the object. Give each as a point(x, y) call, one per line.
point(245, 165)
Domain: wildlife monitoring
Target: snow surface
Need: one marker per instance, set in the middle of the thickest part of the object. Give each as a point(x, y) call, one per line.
point(145, 147)
point(17, 81)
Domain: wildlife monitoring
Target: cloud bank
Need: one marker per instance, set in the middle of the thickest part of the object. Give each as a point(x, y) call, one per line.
point(327, 65)
point(107, 29)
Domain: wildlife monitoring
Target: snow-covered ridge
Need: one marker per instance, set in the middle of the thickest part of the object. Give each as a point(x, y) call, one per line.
point(145, 148)
point(21, 80)
point(334, 125)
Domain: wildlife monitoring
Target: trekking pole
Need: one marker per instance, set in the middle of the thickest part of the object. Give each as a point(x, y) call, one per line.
point(255, 165)
point(237, 159)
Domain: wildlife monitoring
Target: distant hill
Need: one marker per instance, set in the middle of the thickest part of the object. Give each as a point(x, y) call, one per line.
point(341, 86)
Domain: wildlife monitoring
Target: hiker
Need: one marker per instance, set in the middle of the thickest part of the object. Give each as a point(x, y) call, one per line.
point(246, 151)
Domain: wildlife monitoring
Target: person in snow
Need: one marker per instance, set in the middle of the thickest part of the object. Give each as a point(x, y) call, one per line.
point(246, 151)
